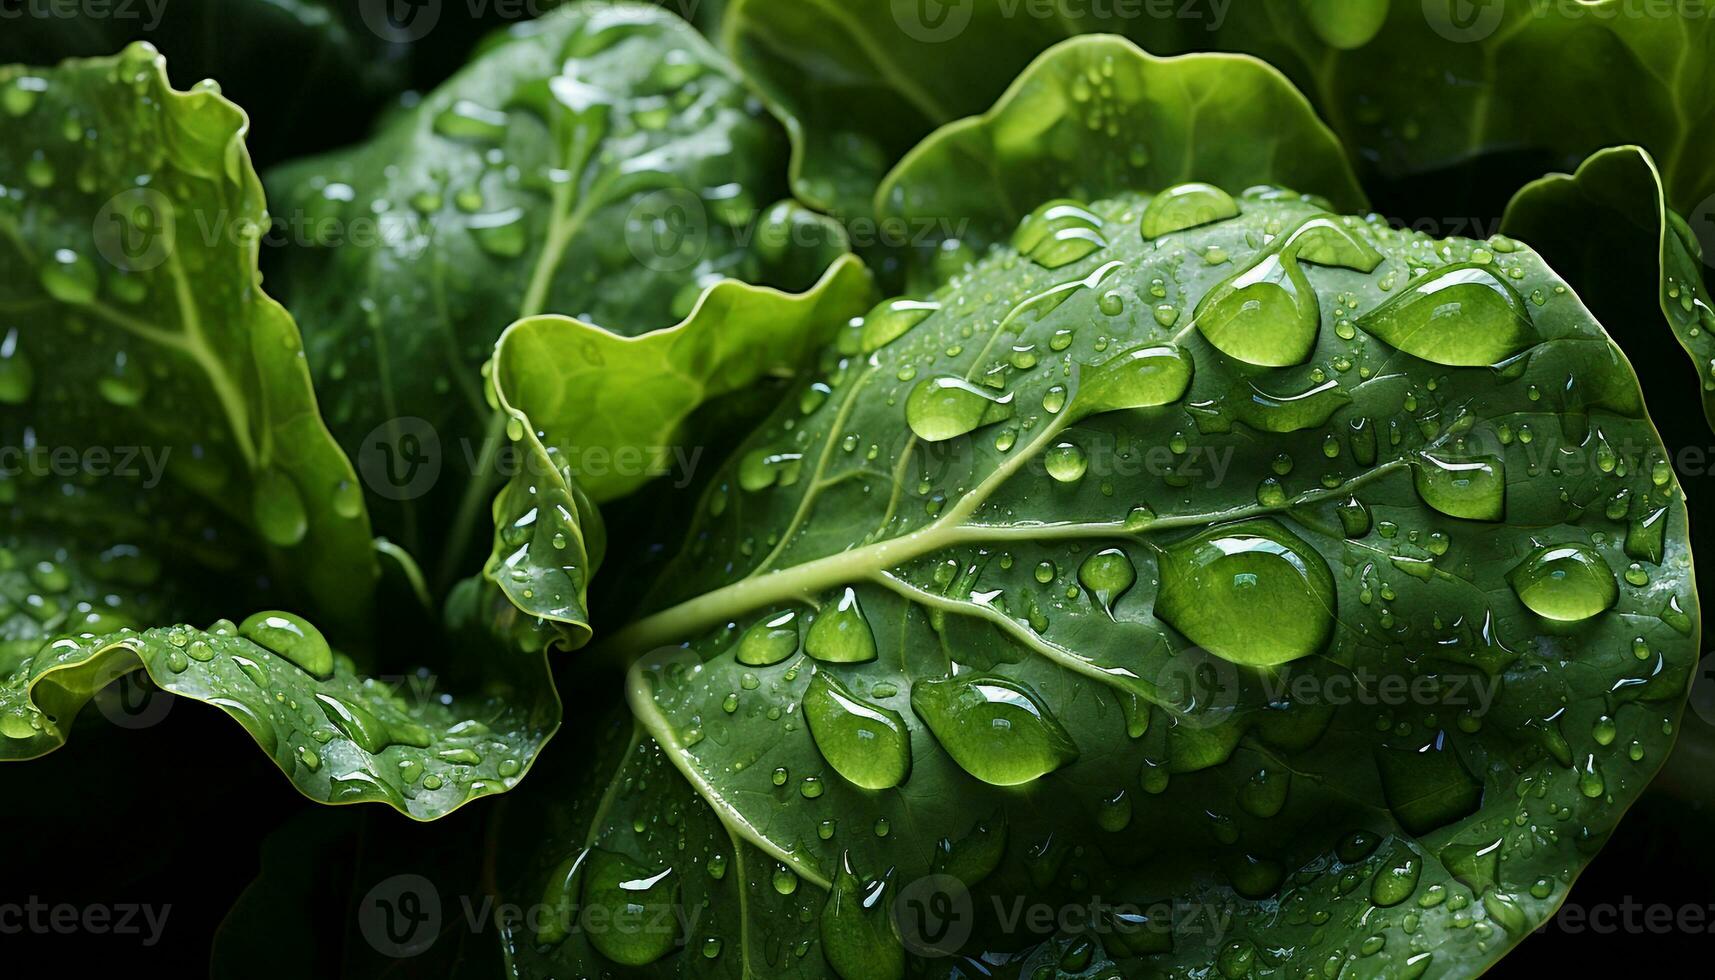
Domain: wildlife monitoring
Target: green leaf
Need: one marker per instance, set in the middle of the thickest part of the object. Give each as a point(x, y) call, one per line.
point(1097, 116)
point(166, 463)
point(1361, 656)
point(342, 74)
point(602, 161)
point(136, 329)
point(1409, 87)
point(607, 413)
point(1645, 264)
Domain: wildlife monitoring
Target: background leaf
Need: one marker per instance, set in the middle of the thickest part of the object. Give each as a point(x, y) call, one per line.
point(602, 161)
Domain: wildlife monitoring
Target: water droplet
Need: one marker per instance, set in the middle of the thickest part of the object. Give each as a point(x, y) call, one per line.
point(291, 637)
point(69, 277)
point(996, 729)
point(1143, 377)
point(1065, 462)
point(1266, 314)
point(1059, 233)
point(769, 641)
point(943, 408)
point(867, 744)
point(1187, 206)
point(1217, 584)
point(17, 372)
point(467, 120)
point(858, 938)
point(1107, 574)
point(891, 320)
point(1397, 880)
point(840, 633)
point(625, 891)
point(1472, 487)
point(1460, 316)
point(278, 509)
point(1566, 583)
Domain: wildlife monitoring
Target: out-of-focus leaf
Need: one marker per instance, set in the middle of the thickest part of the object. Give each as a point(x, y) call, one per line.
point(1610, 230)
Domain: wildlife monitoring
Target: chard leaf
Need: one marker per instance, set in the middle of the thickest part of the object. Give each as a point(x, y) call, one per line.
point(606, 413)
point(166, 463)
point(1096, 116)
point(1645, 250)
point(1409, 87)
point(1350, 662)
point(341, 73)
point(603, 161)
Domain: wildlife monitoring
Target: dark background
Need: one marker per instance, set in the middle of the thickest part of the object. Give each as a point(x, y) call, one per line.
point(179, 812)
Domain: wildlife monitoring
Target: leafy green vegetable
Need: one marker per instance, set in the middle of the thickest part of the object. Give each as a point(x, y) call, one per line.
point(167, 463)
point(1409, 87)
point(603, 161)
point(1097, 116)
point(611, 413)
point(342, 75)
point(1646, 263)
point(1006, 596)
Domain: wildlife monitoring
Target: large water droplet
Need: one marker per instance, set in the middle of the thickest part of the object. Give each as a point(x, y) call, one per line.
point(626, 892)
point(1396, 880)
point(17, 373)
point(1472, 487)
point(1107, 574)
point(1059, 233)
point(866, 743)
point(891, 320)
point(69, 277)
point(840, 633)
point(1187, 206)
point(997, 730)
point(469, 121)
point(946, 407)
point(1143, 377)
point(769, 641)
point(278, 509)
point(1218, 585)
point(1567, 583)
point(291, 637)
point(858, 939)
point(1460, 316)
point(1266, 314)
